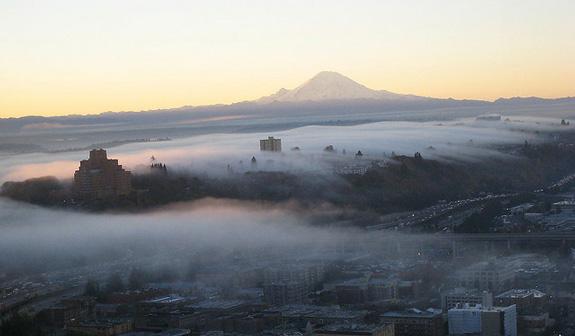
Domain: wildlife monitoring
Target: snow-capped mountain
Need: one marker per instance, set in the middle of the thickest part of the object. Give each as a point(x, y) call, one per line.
point(328, 85)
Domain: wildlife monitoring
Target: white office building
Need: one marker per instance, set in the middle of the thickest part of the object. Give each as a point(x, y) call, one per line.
point(466, 320)
point(271, 144)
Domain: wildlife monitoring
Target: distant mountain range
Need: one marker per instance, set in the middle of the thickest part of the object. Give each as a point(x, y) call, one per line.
point(328, 97)
point(331, 86)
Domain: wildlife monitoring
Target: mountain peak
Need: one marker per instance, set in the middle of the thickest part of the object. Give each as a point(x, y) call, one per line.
point(331, 75)
point(330, 86)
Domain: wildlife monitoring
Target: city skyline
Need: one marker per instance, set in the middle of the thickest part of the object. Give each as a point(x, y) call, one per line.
point(284, 168)
point(67, 58)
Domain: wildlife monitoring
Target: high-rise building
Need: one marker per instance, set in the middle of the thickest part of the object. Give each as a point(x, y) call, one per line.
point(100, 177)
point(484, 321)
point(271, 145)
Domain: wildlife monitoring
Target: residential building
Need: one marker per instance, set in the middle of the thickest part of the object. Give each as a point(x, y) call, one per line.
point(301, 315)
point(527, 300)
point(271, 145)
point(353, 291)
point(487, 275)
point(309, 275)
point(101, 327)
point(466, 319)
point(450, 299)
point(100, 177)
point(352, 329)
point(532, 309)
point(285, 292)
point(416, 322)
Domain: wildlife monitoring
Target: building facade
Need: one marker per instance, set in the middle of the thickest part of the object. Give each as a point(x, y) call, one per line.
point(452, 298)
point(271, 145)
point(415, 322)
point(484, 321)
point(285, 292)
point(528, 301)
point(532, 309)
point(100, 177)
point(354, 329)
point(488, 275)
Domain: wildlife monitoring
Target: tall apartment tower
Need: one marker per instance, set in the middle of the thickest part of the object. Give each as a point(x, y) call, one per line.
point(271, 145)
point(100, 177)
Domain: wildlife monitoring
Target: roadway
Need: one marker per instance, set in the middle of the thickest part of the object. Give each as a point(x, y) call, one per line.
point(409, 220)
point(531, 236)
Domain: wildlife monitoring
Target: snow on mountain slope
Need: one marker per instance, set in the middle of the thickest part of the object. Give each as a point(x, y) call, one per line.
point(329, 85)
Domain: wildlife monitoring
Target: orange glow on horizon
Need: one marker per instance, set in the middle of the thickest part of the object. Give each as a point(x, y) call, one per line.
point(63, 57)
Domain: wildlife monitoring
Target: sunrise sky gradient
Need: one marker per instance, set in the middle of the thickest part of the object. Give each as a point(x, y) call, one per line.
point(78, 57)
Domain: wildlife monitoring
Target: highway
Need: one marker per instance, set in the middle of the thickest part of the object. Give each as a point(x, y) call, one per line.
point(419, 217)
point(408, 220)
point(533, 236)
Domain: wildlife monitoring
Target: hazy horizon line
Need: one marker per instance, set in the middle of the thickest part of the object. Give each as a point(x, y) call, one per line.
point(255, 100)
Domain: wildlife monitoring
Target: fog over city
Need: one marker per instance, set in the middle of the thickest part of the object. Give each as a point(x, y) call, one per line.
point(287, 168)
point(368, 222)
point(466, 140)
point(34, 236)
point(37, 238)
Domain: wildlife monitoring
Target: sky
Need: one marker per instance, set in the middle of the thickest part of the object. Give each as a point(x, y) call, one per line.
point(80, 57)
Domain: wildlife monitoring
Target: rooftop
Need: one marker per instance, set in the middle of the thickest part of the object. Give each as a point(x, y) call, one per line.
point(346, 328)
point(467, 307)
point(464, 291)
point(167, 299)
point(217, 304)
point(168, 332)
point(101, 323)
point(414, 312)
point(521, 293)
point(317, 311)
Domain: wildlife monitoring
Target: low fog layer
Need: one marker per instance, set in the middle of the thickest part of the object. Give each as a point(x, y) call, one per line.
point(211, 154)
point(39, 239)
